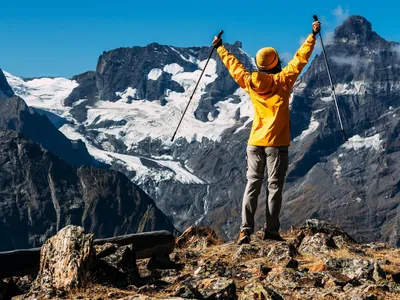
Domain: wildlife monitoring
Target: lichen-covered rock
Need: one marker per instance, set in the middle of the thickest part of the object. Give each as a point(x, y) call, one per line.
point(310, 280)
point(315, 226)
point(284, 278)
point(332, 279)
point(198, 237)
point(341, 242)
point(281, 254)
point(210, 267)
point(218, 288)
point(105, 250)
point(244, 252)
point(117, 265)
point(257, 290)
point(24, 283)
point(187, 291)
point(66, 261)
point(317, 244)
point(357, 268)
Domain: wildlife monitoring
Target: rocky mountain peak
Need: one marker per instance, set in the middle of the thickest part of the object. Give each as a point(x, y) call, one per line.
point(5, 88)
point(357, 30)
point(153, 45)
point(238, 44)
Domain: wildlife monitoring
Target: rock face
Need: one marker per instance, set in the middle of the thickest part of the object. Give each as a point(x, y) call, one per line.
point(66, 261)
point(16, 115)
point(353, 184)
point(116, 265)
point(130, 67)
point(42, 194)
point(221, 272)
point(87, 88)
point(346, 181)
point(5, 89)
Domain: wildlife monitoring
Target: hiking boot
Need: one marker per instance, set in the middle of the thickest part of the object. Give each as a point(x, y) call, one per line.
point(272, 236)
point(244, 237)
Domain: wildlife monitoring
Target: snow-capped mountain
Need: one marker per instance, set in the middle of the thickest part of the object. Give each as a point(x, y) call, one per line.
point(127, 110)
point(16, 115)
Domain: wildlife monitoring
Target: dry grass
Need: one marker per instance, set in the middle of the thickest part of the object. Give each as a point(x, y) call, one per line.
point(97, 291)
point(393, 256)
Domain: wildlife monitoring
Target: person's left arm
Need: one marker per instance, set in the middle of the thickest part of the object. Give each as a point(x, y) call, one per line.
point(290, 73)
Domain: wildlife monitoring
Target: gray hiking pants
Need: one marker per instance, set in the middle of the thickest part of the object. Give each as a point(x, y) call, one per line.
point(275, 160)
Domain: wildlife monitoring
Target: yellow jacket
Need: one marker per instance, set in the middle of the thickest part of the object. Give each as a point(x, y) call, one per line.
point(269, 94)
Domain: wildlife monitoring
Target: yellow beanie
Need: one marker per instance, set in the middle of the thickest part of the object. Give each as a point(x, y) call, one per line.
point(267, 58)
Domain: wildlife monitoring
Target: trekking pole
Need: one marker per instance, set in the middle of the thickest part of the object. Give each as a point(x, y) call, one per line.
point(190, 99)
point(330, 79)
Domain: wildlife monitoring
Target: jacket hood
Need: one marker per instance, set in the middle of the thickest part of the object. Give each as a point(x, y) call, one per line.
point(261, 82)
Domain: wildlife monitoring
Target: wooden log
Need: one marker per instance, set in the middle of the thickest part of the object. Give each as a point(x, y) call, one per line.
point(147, 244)
point(19, 262)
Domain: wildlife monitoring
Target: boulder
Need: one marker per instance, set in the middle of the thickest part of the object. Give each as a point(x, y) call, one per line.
point(198, 237)
point(257, 290)
point(281, 254)
point(332, 279)
point(117, 265)
point(245, 251)
point(314, 226)
point(218, 288)
point(66, 261)
point(357, 268)
point(317, 244)
point(187, 291)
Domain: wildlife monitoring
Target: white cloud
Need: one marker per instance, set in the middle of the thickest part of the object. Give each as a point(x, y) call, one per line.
point(340, 14)
point(328, 37)
point(397, 49)
point(286, 57)
point(326, 26)
point(346, 60)
point(302, 40)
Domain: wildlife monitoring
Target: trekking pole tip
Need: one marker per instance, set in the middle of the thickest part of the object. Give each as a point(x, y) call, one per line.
point(345, 136)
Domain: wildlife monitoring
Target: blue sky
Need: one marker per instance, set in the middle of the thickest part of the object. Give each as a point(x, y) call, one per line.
point(64, 38)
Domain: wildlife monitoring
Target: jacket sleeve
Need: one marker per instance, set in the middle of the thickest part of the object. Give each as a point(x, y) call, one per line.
point(235, 67)
point(290, 73)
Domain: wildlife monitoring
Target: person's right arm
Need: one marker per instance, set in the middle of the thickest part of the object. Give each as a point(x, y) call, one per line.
point(235, 67)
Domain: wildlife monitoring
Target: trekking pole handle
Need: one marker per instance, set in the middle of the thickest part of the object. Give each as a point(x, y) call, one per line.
point(315, 18)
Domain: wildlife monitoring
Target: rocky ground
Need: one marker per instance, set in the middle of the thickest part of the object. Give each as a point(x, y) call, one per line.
point(317, 261)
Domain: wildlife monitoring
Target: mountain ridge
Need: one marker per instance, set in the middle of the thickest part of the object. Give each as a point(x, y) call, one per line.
point(212, 139)
point(41, 194)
